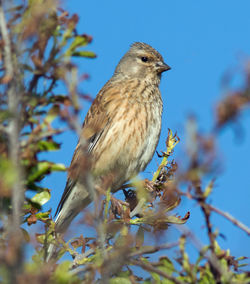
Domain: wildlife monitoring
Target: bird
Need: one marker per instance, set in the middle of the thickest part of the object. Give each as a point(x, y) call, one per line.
point(119, 135)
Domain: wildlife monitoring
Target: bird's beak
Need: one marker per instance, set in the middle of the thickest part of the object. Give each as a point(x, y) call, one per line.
point(162, 67)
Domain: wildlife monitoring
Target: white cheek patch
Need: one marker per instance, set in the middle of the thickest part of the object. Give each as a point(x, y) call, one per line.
point(134, 69)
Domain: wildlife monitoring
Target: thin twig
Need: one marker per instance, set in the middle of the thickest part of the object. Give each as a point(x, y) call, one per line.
point(78, 270)
point(149, 267)
point(229, 217)
point(40, 136)
point(153, 249)
point(226, 215)
point(78, 258)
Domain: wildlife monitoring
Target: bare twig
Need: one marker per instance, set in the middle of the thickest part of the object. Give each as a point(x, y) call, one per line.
point(149, 267)
point(226, 215)
point(153, 249)
point(79, 270)
point(229, 217)
point(41, 136)
point(78, 258)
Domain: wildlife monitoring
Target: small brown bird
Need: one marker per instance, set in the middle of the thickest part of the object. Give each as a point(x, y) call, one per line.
point(122, 130)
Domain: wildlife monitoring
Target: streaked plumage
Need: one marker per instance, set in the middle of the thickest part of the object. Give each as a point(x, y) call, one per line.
point(122, 129)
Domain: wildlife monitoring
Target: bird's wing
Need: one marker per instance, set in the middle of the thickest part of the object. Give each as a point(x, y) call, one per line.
point(95, 124)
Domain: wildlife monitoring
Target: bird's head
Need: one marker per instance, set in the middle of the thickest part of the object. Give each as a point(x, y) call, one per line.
point(143, 62)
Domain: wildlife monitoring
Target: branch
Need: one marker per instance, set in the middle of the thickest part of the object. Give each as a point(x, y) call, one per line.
point(13, 102)
point(153, 249)
point(149, 267)
point(41, 136)
point(231, 219)
point(226, 215)
point(78, 258)
point(17, 198)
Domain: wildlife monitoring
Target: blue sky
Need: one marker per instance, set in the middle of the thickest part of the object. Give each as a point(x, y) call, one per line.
point(200, 40)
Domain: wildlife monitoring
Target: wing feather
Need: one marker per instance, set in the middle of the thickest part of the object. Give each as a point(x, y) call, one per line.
point(95, 123)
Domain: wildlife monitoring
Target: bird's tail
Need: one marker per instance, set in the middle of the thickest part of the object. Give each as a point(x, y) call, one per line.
point(78, 199)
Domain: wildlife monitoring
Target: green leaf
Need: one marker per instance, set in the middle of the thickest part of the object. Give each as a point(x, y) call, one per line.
point(41, 238)
point(44, 168)
point(52, 113)
point(5, 114)
point(166, 265)
point(66, 35)
point(148, 281)
point(176, 220)
point(88, 54)
point(62, 274)
point(43, 216)
point(209, 189)
point(8, 174)
point(34, 187)
point(78, 41)
point(171, 142)
point(206, 277)
point(156, 277)
point(25, 235)
point(58, 168)
point(119, 280)
point(164, 220)
point(48, 145)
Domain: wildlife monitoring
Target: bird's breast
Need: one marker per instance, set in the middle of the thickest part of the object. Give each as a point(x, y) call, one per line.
point(131, 138)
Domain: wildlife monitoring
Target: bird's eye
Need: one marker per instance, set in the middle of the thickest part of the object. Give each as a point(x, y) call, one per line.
point(144, 59)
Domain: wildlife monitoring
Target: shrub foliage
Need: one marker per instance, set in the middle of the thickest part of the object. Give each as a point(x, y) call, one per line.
point(39, 41)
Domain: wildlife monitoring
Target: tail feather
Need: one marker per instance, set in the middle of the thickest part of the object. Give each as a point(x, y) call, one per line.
point(78, 199)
